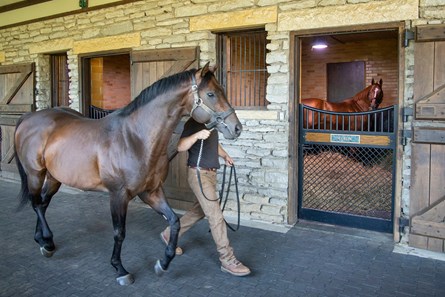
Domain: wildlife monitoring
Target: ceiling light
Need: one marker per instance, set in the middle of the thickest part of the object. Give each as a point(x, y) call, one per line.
point(319, 44)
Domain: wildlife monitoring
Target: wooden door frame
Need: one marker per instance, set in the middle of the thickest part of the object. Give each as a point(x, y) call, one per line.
point(294, 99)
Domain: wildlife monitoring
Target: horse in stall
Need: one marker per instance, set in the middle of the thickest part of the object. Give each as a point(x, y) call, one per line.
point(124, 153)
point(368, 99)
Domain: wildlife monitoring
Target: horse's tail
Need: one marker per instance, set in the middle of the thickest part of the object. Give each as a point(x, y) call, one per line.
point(24, 195)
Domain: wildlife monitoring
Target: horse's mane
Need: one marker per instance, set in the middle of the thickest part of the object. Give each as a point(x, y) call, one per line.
point(159, 87)
point(362, 95)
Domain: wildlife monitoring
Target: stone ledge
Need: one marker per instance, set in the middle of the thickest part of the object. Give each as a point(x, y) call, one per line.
point(233, 20)
point(257, 114)
point(107, 43)
point(349, 14)
point(51, 46)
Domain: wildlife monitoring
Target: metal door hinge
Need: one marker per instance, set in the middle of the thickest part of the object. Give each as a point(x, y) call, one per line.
point(403, 222)
point(407, 111)
point(405, 135)
point(407, 36)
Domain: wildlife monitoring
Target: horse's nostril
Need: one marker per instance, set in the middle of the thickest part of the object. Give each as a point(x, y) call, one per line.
point(238, 129)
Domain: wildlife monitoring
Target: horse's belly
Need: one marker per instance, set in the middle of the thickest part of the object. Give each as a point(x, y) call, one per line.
point(73, 166)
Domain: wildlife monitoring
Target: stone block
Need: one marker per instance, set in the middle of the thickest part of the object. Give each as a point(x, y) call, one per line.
point(107, 43)
point(238, 19)
point(254, 198)
point(230, 5)
point(349, 14)
point(191, 10)
point(117, 28)
point(271, 209)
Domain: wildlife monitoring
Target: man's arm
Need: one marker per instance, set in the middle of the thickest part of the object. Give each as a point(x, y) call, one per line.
point(223, 154)
point(186, 142)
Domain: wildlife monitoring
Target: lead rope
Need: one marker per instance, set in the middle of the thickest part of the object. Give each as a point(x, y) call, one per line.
point(221, 193)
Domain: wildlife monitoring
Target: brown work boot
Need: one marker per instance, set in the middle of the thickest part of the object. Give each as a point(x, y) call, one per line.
point(235, 267)
point(165, 238)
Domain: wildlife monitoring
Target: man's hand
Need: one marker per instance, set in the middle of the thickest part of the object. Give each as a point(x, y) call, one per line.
point(229, 160)
point(203, 134)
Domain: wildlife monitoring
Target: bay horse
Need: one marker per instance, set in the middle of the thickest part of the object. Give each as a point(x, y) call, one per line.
point(368, 99)
point(124, 153)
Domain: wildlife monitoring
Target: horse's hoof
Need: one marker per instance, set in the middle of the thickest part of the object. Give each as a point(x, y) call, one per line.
point(46, 253)
point(125, 280)
point(158, 268)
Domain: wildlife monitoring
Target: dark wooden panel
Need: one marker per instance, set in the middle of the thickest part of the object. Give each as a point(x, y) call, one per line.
point(423, 70)
point(428, 149)
point(420, 177)
point(345, 80)
point(17, 84)
point(429, 135)
point(147, 68)
point(430, 32)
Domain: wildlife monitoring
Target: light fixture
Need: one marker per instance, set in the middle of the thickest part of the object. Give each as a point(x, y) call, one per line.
point(83, 4)
point(319, 44)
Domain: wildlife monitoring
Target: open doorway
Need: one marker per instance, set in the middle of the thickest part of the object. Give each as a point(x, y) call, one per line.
point(106, 84)
point(347, 63)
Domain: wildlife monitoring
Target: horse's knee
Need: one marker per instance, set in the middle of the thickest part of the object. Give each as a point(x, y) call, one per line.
point(119, 236)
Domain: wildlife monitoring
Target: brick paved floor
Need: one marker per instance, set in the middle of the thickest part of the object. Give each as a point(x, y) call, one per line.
point(309, 260)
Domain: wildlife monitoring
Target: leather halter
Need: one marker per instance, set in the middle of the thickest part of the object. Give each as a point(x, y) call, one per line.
point(216, 118)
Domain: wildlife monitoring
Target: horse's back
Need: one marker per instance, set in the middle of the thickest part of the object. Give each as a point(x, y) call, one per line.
point(314, 102)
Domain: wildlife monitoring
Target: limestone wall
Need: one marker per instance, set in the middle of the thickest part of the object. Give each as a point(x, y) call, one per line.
point(262, 151)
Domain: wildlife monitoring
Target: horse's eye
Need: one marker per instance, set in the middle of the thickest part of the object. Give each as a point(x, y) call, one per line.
point(211, 95)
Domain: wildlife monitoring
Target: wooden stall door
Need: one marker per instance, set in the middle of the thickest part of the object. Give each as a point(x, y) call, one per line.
point(148, 67)
point(16, 97)
point(427, 193)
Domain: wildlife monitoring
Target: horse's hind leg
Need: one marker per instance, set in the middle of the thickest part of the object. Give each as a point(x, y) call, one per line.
point(43, 235)
point(119, 205)
point(158, 202)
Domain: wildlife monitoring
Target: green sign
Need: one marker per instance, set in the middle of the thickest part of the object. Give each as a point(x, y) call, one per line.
point(345, 138)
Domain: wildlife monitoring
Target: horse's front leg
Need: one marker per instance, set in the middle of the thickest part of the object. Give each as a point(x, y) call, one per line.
point(158, 202)
point(119, 205)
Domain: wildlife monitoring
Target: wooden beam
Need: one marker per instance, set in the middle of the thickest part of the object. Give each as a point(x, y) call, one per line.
point(20, 4)
point(429, 135)
point(430, 32)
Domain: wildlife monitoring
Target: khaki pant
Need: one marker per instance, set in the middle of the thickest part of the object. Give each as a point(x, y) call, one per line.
point(210, 209)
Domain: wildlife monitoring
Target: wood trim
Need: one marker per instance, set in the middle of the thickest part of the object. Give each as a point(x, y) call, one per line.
point(16, 108)
point(430, 222)
point(8, 120)
point(17, 68)
point(432, 106)
point(364, 139)
point(80, 10)
point(429, 135)
point(294, 99)
point(430, 33)
point(21, 4)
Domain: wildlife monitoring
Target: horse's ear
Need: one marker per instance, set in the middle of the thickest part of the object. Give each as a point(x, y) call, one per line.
point(381, 82)
point(372, 81)
point(213, 68)
point(205, 69)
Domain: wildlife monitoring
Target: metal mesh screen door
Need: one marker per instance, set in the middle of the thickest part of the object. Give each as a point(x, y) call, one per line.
point(346, 177)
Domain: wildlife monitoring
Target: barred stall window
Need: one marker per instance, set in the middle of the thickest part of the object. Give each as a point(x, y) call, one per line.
point(59, 80)
point(242, 67)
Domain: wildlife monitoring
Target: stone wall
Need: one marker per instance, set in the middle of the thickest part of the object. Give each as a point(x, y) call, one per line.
point(261, 154)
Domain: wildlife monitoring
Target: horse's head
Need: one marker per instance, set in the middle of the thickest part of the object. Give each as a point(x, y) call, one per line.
point(210, 104)
point(375, 94)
